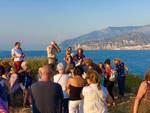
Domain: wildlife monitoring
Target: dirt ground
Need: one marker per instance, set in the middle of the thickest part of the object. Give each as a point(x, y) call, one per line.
point(123, 106)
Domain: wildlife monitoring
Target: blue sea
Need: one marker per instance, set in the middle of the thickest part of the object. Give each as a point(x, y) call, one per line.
point(137, 61)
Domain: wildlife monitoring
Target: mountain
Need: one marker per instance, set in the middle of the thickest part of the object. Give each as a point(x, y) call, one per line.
point(117, 36)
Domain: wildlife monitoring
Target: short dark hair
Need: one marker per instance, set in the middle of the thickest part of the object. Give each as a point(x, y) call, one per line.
point(107, 61)
point(16, 43)
point(78, 70)
point(80, 50)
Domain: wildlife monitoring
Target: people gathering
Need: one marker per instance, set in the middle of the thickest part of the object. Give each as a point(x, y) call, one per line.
point(75, 85)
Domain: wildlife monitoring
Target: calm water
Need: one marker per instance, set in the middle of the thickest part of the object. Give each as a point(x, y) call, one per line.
point(137, 61)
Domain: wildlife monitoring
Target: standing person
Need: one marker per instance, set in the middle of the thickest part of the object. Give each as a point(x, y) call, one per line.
point(3, 87)
point(52, 51)
point(14, 85)
point(25, 80)
point(70, 49)
point(95, 96)
point(142, 100)
point(17, 56)
point(107, 82)
point(47, 96)
point(79, 57)
point(68, 60)
point(101, 70)
point(3, 107)
point(74, 88)
point(62, 78)
point(122, 72)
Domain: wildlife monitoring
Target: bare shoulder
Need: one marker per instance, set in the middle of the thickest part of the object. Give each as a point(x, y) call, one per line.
point(69, 80)
point(143, 84)
point(143, 87)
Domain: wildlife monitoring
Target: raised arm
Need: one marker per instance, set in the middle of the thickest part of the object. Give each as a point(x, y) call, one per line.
point(57, 47)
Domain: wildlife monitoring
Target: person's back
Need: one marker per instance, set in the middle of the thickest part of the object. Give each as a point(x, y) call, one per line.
point(3, 107)
point(96, 98)
point(4, 92)
point(75, 93)
point(47, 97)
point(74, 87)
point(62, 80)
point(142, 100)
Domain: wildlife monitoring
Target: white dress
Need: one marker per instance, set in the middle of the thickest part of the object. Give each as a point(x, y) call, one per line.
point(94, 99)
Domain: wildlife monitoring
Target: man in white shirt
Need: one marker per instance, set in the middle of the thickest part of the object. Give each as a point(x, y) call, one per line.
point(17, 56)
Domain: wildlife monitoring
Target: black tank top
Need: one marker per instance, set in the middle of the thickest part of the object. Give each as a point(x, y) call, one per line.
point(75, 93)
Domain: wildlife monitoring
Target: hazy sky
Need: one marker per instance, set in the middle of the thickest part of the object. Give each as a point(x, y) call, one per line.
point(36, 22)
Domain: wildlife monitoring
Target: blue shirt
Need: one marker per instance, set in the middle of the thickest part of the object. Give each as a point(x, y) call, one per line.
point(47, 97)
point(120, 69)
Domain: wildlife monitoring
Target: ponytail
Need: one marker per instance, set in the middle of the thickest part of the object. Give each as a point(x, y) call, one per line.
point(93, 76)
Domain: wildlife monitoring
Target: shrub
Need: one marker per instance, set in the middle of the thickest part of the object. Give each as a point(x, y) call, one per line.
point(132, 83)
point(35, 64)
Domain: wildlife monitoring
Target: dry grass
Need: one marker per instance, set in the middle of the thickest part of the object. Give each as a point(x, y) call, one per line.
point(123, 107)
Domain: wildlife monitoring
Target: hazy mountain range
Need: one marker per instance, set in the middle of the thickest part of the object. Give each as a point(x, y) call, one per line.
point(112, 37)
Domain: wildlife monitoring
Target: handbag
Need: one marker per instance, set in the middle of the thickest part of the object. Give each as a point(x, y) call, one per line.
point(59, 78)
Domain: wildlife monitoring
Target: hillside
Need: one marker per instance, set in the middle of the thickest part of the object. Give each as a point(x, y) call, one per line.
point(111, 38)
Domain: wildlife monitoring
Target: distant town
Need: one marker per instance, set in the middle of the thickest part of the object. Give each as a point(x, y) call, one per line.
point(113, 38)
point(124, 45)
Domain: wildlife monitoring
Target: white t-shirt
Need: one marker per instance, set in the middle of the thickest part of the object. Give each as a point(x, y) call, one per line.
point(17, 52)
point(95, 102)
point(62, 80)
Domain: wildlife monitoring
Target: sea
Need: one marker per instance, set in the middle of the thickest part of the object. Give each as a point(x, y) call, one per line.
point(137, 61)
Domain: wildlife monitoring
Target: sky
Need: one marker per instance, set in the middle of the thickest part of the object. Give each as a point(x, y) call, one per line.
point(37, 22)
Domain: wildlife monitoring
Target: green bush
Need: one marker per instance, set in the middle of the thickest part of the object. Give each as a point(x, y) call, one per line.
point(132, 83)
point(35, 64)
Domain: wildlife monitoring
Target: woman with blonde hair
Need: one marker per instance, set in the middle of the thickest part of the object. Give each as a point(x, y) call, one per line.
point(95, 96)
point(142, 100)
